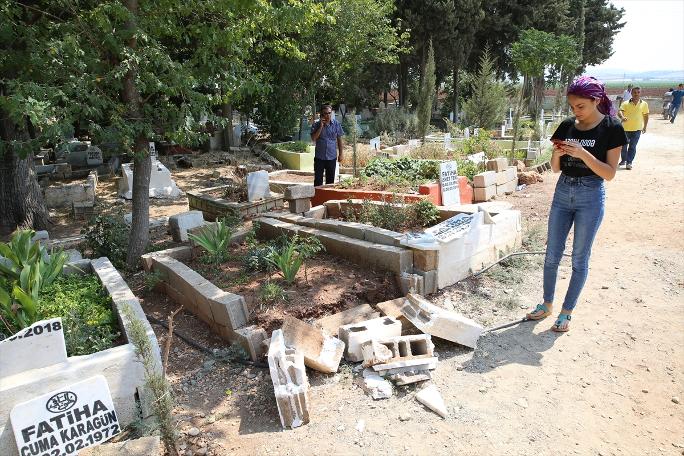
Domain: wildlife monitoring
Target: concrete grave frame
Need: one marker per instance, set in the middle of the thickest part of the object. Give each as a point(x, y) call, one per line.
point(213, 207)
point(225, 313)
point(119, 365)
point(64, 195)
point(293, 160)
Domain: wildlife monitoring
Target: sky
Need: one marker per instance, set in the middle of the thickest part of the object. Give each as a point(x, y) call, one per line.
point(652, 38)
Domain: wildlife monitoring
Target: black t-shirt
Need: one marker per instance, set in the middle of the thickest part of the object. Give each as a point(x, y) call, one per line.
point(608, 134)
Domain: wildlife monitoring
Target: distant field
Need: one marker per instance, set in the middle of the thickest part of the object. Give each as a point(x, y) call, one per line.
point(650, 84)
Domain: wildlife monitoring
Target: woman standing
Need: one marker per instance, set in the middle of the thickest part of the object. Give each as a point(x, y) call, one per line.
point(586, 151)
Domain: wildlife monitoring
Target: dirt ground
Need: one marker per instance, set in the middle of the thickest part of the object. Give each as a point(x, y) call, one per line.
point(611, 386)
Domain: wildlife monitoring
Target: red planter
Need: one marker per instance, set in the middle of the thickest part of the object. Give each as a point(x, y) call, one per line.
point(435, 195)
point(330, 192)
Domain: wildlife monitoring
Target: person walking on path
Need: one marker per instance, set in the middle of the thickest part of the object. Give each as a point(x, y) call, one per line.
point(586, 151)
point(634, 116)
point(327, 134)
point(677, 96)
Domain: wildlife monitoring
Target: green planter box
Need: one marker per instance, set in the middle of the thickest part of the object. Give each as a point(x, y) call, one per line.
point(293, 160)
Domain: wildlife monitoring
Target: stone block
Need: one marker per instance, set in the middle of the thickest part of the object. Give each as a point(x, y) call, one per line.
point(297, 206)
point(484, 193)
point(179, 224)
point(321, 351)
point(332, 209)
point(497, 164)
point(381, 236)
point(143, 446)
point(430, 282)
point(410, 283)
point(502, 177)
point(406, 365)
point(351, 229)
point(505, 189)
point(512, 173)
point(251, 338)
point(431, 398)
point(295, 192)
point(441, 323)
point(317, 212)
point(41, 236)
point(426, 259)
point(390, 258)
point(484, 179)
point(331, 324)
point(376, 386)
point(290, 384)
point(406, 378)
point(229, 309)
point(356, 334)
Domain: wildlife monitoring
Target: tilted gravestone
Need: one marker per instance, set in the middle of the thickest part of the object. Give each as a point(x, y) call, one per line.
point(257, 186)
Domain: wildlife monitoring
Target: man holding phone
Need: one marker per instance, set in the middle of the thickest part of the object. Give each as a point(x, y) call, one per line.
point(327, 134)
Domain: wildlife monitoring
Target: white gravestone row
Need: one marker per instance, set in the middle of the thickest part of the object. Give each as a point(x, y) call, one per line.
point(65, 421)
point(413, 143)
point(452, 228)
point(448, 182)
point(447, 141)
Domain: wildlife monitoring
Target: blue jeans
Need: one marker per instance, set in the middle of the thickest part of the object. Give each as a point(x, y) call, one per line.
point(579, 201)
point(673, 112)
point(629, 150)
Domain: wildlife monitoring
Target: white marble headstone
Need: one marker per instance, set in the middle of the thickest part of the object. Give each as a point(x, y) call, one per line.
point(466, 132)
point(452, 228)
point(257, 186)
point(448, 183)
point(447, 141)
point(375, 143)
point(39, 345)
point(153, 150)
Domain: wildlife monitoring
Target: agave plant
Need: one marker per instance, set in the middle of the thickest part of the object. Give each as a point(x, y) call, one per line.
point(288, 261)
point(25, 268)
point(215, 239)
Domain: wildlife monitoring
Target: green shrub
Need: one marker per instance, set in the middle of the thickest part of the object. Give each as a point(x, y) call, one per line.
point(215, 239)
point(153, 278)
point(406, 168)
point(107, 235)
point(24, 272)
point(287, 261)
point(86, 312)
point(256, 258)
point(296, 146)
point(469, 169)
point(424, 212)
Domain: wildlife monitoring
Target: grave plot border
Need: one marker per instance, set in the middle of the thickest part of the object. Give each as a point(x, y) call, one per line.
point(225, 313)
point(120, 365)
point(292, 160)
point(213, 207)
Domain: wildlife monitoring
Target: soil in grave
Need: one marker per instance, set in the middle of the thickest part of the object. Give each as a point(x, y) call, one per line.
point(333, 285)
point(290, 177)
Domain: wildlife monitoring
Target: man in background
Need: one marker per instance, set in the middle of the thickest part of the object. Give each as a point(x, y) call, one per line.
point(327, 134)
point(677, 96)
point(634, 116)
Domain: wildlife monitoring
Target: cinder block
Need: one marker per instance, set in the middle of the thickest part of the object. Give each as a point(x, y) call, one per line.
point(410, 283)
point(429, 280)
point(381, 236)
point(425, 260)
point(390, 258)
point(251, 338)
point(497, 164)
point(316, 212)
point(297, 206)
point(332, 209)
point(331, 324)
point(406, 378)
point(290, 384)
point(400, 348)
point(484, 194)
point(406, 365)
point(295, 192)
point(440, 322)
point(376, 386)
point(512, 173)
point(179, 224)
point(484, 179)
point(229, 309)
point(356, 334)
point(392, 309)
point(501, 189)
point(320, 351)
point(351, 229)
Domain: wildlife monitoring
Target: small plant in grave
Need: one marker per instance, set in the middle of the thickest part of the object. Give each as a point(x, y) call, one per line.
point(26, 270)
point(215, 239)
point(424, 212)
point(271, 293)
point(293, 254)
point(107, 235)
point(153, 278)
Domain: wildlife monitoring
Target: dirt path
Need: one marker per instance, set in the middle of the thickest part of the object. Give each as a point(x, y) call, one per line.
point(607, 387)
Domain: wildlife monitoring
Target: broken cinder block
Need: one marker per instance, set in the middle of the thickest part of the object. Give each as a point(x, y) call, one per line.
point(376, 386)
point(440, 322)
point(431, 398)
point(290, 384)
point(356, 334)
point(400, 348)
point(331, 324)
point(321, 351)
point(301, 191)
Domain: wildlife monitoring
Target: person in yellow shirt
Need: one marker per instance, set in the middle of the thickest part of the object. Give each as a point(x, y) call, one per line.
point(634, 116)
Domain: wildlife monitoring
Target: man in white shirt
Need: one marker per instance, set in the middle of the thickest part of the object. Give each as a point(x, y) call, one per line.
point(627, 94)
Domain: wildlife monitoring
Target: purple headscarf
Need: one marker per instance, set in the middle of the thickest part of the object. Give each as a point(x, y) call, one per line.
point(590, 87)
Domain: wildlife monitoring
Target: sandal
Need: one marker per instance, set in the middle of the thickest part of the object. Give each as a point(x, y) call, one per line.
point(562, 319)
point(543, 308)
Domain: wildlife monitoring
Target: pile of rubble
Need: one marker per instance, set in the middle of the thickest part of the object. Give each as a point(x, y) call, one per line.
point(395, 348)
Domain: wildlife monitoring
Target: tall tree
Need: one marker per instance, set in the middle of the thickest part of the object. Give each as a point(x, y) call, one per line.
point(468, 14)
point(487, 105)
point(427, 94)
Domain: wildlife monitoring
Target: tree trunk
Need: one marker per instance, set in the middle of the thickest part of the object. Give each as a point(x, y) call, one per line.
point(142, 164)
point(456, 107)
point(384, 98)
point(21, 201)
point(227, 112)
point(516, 118)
